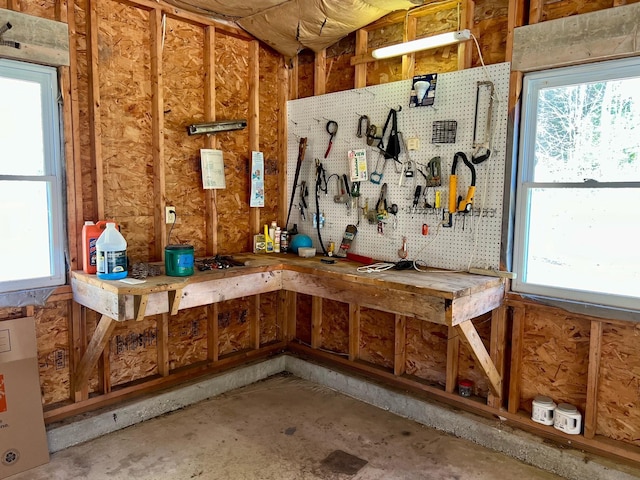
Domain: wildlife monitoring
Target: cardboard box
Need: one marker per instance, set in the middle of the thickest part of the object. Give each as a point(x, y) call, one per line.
point(23, 439)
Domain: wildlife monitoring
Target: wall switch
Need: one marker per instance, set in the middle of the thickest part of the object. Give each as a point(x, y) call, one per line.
point(413, 143)
point(170, 214)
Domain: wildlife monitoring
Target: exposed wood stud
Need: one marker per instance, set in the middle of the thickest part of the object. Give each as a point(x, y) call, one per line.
point(362, 41)
point(354, 331)
point(255, 323)
point(163, 344)
point(535, 11)
point(213, 346)
point(95, 125)
point(465, 49)
point(516, 358)
point(77, 347)
point(497, 350)
point(157, 128)
point(453, 350)
point(253, 122)
point(591, 410)
point(409, 61)
point(400, 350)
point(211, 209)
point(293, 78)
point(14, 5)
point(316, 322)
point(283, 132)
point(320, 73)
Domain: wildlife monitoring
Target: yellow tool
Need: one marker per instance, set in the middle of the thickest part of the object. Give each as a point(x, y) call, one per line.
point(457, 203)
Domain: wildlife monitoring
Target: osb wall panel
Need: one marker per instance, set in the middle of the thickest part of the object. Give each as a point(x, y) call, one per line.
point(39, 8)
point(10, 313)
point(565, 8)
point(125, 99)
point(184, 85)
point(303, 318)
point(270, 318)
point(467, 366)
point(52, 333)
point(555, 358)
point(390, 69)
point(232, 94)
point(269, 110)
point(619, 384)
point(133, 351)
point(187, 337)
point(441, 60)
point(335, 326)
point(138, 231)
point(426, 351)
point(306, 65)
point(340, 73)
point(492, 37)
point(234, 321)
point(377, 337)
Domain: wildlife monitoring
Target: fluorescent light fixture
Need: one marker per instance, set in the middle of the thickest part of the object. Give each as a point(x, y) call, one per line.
point(215, 127)
point(425, 43)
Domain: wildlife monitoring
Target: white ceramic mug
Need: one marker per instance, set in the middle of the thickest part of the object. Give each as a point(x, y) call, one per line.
point(543, 410)
point(568, 419)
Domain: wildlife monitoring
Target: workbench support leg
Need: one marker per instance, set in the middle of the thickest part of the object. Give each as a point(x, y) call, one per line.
point(400, 349)
point(316, 322)
point(98, 342)
point(470, 335)
point(78, 337)
point(453, 350)
point(498, 344)
point(163, 344)
point(255, 323)
point(354, 331)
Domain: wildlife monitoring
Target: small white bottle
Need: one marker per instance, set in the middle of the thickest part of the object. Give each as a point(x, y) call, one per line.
point(276, 241)
point(272, 230)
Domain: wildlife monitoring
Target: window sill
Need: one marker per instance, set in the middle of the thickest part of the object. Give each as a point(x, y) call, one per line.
point(600, 312)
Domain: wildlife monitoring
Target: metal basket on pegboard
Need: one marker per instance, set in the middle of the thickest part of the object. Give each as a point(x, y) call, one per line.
point(444, 131)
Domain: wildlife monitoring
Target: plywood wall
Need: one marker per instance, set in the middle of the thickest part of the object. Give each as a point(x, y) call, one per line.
point(335, 326)
point(427, 351)
point(52, 333)
point(377, 336)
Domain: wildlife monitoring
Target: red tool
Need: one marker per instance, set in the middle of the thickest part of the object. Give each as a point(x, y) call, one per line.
point(332, 129)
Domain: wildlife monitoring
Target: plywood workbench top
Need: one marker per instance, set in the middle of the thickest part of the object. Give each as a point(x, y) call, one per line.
point(438, 283)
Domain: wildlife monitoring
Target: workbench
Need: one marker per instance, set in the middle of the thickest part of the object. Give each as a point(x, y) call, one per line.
point(452, 299)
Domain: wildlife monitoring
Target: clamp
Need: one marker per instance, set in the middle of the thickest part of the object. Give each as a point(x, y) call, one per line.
point(459, 204)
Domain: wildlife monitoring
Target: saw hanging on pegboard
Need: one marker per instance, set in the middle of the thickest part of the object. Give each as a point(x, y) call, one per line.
point(482, 133)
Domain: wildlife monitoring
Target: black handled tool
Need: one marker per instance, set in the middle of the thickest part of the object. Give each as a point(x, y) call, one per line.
point(302, 148)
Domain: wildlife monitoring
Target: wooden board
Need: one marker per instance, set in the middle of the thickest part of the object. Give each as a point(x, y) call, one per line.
point(335, 326)
point(183, 77)
point(377, 333)
point(305, 74)
point(340, 73)
point(618, 406)
point(133, 351)
point(188, 337)
point(567, 8)
point(234, 320)
point(427, 351)
point(555, 358)
point(52, 333)
point(303, 318)
point(271, 318)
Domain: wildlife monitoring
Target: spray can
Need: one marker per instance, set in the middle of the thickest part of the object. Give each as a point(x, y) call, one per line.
point(111, 250)
point(284, 241)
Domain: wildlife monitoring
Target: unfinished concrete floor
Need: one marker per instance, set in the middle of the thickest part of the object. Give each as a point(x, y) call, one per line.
point(282, 428)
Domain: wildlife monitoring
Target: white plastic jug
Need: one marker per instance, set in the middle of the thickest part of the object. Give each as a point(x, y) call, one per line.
point(111, 249)
point(568, 419)
point(543, 410)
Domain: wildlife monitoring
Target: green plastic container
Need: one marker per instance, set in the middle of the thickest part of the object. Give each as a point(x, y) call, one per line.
point(178, 260)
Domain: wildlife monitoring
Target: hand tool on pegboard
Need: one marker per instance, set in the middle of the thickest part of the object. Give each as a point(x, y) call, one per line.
point(332, 129)
point(302, 149)
point(457, 204)
point(482, 148)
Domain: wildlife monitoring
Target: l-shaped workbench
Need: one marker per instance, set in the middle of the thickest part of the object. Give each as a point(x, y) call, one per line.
point(448, 298)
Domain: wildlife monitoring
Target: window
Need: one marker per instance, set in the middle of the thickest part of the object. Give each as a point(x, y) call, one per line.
point(577, 227)
point(31, 213)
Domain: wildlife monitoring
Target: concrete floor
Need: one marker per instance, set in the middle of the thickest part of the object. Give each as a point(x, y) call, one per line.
point(283, 428)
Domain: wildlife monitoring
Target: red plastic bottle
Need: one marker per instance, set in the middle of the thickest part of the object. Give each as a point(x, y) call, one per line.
point(90, 234)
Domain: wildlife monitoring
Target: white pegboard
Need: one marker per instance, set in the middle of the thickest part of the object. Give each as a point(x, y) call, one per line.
point(478, 245)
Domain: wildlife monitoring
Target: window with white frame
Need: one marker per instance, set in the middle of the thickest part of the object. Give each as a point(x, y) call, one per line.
point(31, 211)
point(577, 230)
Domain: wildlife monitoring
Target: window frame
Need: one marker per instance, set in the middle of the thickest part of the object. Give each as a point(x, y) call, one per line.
point(532, 83)
point(53, 175)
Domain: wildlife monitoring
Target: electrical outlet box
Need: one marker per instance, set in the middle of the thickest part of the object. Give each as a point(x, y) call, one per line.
point(170, 214)
point(413, 143)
